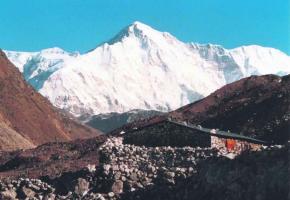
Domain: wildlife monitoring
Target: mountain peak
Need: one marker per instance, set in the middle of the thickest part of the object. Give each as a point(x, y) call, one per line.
point(134, 70)
point(140, 26)
point(141, 30)
point(138, 30)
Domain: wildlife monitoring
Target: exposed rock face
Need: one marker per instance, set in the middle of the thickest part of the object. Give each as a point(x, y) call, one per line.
point(25, 111)
point(258, 106)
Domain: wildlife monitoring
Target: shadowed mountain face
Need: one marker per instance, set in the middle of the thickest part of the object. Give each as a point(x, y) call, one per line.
point(258, 106)
point(110, 121)
point(30, 116)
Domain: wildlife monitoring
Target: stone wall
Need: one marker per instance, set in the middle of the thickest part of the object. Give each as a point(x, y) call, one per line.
point(129, 172)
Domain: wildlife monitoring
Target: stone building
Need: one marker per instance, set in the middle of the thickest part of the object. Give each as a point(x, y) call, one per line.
point(179, 134)
point(166, 133)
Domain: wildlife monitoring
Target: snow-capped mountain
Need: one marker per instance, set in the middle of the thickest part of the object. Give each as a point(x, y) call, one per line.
point(141, 68)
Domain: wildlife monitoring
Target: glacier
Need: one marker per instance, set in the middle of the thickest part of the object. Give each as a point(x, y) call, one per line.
point(141, 68)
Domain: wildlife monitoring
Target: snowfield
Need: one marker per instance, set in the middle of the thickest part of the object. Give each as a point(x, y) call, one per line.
point(141, 68)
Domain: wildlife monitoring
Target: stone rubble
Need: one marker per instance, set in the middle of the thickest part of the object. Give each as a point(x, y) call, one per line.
point(124, 169)
point(131, 167)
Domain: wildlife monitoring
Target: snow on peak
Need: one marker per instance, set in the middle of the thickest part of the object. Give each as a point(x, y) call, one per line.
point(141, 32)
point(54, 50)
point(19, 59)
point(140, 26)
point(141, 68)
point(261, 59)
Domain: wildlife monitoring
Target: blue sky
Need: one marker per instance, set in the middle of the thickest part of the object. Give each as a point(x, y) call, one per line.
point(79, 25)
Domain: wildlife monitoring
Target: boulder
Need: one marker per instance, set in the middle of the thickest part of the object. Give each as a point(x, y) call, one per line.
point(27, 192)
point(8, 195)
point(117, 187)
point(81, 187)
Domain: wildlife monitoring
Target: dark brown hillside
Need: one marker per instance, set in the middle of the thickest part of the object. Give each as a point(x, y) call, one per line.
point(258, 106)
point(51, 159)
point(26, 112)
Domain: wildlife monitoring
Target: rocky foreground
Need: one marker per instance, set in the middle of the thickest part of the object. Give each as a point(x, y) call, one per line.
point(137, 172)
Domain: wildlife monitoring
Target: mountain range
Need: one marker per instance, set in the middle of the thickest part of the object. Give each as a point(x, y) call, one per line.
point(141, 68)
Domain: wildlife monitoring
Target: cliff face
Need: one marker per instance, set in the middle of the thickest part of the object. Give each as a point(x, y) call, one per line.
point(27, 114)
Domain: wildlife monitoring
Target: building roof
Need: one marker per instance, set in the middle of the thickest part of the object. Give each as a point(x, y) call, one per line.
point(202, 130)
point(218, 133)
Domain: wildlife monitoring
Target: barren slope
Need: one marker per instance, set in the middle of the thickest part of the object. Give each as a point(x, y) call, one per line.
point(32, 116)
